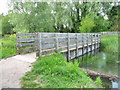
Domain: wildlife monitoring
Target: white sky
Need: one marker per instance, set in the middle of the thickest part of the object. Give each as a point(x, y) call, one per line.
point(3, 6)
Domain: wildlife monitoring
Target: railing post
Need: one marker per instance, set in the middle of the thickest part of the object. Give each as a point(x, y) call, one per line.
point(100, 38)
point(91, 42)
point(94, 41)
point(82, 43)
point(17, 43)
point(56, 42)
point(87, 35)
point(76, 44)
point(36, 41)
point(39, 45)
point(97, 40)
point(68, 47)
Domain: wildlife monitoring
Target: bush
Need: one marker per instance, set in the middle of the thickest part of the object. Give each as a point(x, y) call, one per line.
point(8, 46)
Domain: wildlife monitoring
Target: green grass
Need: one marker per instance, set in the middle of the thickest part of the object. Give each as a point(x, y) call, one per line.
point(109, 43)
point(54, 72)
point(8, 45)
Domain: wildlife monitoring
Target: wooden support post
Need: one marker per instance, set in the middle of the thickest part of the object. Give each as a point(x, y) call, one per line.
point(91, 41)
point(82, 44)
point(76, 44)
point(94, 41)
point(99, 40)
point(87, 35)
point(56, 42)
point(17, 43)
point(36, 41)
point(68, 47)
point(39, 44)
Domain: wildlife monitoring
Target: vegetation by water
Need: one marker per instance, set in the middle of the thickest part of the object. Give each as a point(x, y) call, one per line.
point(54, 72)
point(8, 46)
point(109, 43)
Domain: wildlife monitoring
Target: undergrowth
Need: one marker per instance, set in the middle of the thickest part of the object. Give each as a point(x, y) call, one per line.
point(54, 72)
point(8, 45)
point(109, 43)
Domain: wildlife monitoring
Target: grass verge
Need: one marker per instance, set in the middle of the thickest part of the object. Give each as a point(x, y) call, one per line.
point(54, 72)
point(8, 45)
point(109, 43)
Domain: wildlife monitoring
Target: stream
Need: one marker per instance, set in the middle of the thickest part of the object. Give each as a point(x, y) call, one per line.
point(103, 62)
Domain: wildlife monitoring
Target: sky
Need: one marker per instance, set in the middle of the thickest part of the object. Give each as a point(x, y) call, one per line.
point(3, 6)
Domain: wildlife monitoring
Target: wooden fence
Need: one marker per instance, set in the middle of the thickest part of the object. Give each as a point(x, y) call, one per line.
point(47, 43)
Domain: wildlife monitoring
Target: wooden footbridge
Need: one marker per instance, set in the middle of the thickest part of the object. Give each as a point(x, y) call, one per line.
point(72, 45)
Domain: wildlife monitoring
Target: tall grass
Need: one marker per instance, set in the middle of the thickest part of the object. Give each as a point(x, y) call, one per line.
point(54, 72)
point(8, 46)
point(110, 43)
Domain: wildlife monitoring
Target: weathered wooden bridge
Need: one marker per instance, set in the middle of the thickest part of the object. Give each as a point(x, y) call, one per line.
point(72, 45)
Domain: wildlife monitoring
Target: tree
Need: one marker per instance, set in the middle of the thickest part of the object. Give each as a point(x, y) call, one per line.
point(87, 24)
point(114, 17)
point(7, 28)
point(32, 17)
point(101, 24)
point(57, 16)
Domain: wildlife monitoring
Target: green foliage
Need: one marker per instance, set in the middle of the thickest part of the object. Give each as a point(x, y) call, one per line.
point(8, 45)
point(55, 17)
point(63, 17)
point(87, 24)
point(98, 82)
point(114, 17)
point(18, 20)
point(1, 24)
point(101, 24)
point(110, 42)
point(7, 28)
point(35, 17)
point(54, 72)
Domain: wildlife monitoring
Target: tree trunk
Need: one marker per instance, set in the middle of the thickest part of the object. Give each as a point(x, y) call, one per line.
point(93, 73)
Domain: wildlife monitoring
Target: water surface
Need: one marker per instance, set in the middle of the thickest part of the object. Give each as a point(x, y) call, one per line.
point(103, 62)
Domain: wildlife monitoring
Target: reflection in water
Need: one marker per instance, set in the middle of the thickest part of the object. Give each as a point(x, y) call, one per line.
point(102, 62)
point(114, 84)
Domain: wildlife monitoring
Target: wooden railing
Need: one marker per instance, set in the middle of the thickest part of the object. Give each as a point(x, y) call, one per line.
point(47, 43)
point(26, 42)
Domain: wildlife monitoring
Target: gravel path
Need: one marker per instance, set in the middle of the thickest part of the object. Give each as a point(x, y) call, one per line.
point(13, 68)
